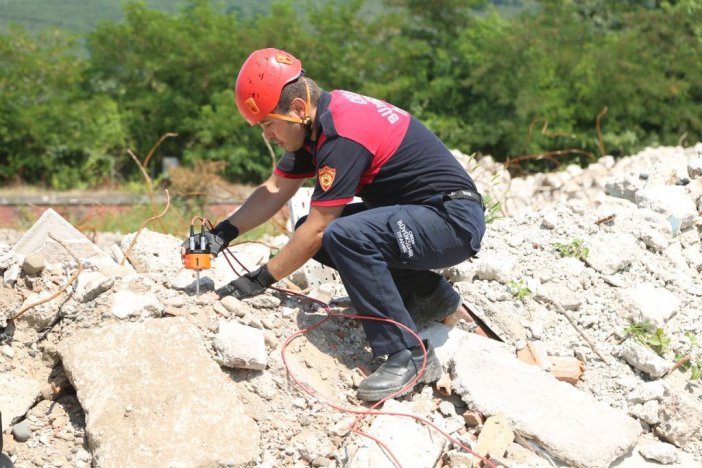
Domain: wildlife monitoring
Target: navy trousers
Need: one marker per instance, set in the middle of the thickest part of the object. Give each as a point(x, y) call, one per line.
point(382, 254)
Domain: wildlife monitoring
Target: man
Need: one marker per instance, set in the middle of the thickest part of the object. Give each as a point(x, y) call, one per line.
point(420, 209)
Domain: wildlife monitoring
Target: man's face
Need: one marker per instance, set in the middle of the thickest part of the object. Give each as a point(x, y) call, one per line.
point(288, 135)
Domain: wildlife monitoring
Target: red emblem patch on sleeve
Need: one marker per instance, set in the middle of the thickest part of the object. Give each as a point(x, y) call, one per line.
point(326, 177)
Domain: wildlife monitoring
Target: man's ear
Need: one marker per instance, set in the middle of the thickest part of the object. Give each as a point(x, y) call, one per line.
point(298, 106)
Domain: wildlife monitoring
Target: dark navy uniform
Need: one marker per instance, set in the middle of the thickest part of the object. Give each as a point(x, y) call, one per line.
point(420, 209)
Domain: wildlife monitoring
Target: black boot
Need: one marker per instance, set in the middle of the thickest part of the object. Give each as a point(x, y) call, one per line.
point(435, 306)
point(400, 368)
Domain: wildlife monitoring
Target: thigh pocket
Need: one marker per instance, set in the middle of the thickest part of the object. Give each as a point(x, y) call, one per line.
point(401, 225)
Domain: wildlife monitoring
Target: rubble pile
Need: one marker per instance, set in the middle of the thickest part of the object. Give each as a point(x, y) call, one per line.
point(582, 348)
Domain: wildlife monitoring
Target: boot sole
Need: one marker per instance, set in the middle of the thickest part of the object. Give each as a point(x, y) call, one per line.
point(431, 374)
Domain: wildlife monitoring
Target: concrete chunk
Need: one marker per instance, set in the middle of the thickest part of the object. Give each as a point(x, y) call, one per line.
point(672, 201)
point(643, 358)
point(240, 346)
point(153, 397)
point(37, 241)
point(570, 424)
point(413, 444)
point(90, 284)
point(17, 395)
point(33, 263)
point(496, 316)
point(44, 314)
point(494, 438)
point(152, 251)
point(129, 304)
point(610, 253)
point(650, 303)
point(445, 340)
point(680, 420)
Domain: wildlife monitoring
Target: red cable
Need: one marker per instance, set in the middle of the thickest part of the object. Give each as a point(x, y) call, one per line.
point(371, 411)
point(361, 413)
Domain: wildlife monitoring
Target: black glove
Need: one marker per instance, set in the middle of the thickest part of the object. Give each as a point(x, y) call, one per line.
point(218, 238)
point(248, 285)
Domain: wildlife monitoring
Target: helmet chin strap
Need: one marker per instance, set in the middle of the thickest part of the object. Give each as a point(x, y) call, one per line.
point(307, 120)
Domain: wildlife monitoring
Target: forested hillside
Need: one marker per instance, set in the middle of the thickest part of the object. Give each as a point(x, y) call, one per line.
point(80, 15)
point(561, 81)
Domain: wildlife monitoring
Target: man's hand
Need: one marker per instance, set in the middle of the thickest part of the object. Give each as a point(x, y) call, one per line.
point(217, 239)
point(248, 285)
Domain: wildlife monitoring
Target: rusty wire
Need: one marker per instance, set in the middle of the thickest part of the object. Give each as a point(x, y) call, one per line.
point(142, 167)
point(680, 362)
point(544, 131)
point(600, 144)
point(158, 143)
point(143, 225)
point(550, 155)
point(60, 290)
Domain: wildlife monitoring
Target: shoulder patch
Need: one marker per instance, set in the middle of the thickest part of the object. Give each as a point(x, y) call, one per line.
point(326, 177)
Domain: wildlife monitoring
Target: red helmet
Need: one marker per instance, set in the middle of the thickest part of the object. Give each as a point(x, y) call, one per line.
point(261, 80)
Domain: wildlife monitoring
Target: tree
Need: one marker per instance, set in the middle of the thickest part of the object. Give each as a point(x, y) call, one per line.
point(53, 131)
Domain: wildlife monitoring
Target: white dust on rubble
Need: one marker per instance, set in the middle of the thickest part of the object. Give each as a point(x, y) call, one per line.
point(633, 222)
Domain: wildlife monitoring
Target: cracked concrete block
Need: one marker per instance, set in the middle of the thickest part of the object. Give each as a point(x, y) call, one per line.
point(37, 240)
point(240, 346)
point(610, 253)
point(570, 424)
point(17, 396)
point(644, 359)
point(152, 251)
point(153, 397)
point(413, 444)
point(129, 304)
point(90, 284)
point(649, 303)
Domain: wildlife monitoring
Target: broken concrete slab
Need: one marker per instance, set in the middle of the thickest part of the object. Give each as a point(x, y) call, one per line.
point(649, 303)
point(660, 451)
point(152, 251)
point(672, 201)
point(445, 340)
point(153, 397)
point(130, 304)
point(571, 425)
point(643, 358)
point(496, 316)
point(239, 345)
point(650, 453)
point(17, 395)
point(90, 284)
point(494, 438)
point(413, 444)
point(45, 313)
point(610, 253)
point(37, 240)
point(680, 420)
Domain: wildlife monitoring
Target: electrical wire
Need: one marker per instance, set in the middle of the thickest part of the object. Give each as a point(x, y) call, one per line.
point(372, 411)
